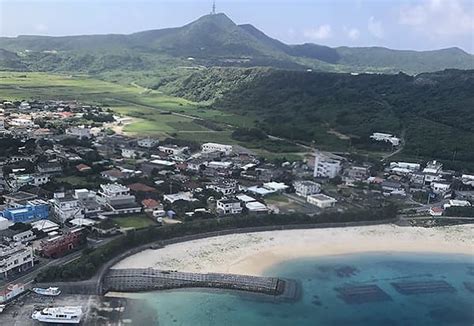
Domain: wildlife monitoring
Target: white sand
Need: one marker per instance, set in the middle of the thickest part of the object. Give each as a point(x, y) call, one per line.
point(252, 253)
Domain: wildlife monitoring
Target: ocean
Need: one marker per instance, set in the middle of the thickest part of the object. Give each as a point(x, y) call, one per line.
point(357, 289)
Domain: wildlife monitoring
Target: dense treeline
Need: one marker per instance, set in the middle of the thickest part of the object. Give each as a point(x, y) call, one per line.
point(434, 110)
point(92, 259)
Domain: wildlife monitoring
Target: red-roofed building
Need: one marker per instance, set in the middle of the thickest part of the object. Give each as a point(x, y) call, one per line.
point(141, 187)
point(83, 168)
point(153, 207)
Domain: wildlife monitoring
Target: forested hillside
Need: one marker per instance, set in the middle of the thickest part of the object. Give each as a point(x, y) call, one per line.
point(435, 111)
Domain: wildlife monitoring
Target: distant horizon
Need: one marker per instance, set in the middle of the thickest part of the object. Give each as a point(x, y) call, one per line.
point(410, 25)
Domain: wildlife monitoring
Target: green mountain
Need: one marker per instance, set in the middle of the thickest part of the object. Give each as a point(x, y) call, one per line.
point(212, 40)
point(432, 110)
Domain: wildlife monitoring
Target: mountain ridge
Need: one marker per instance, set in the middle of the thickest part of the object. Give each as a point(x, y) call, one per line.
point(214, 40)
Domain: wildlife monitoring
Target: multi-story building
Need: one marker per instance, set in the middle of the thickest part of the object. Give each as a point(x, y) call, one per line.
point(49, 167)
point(117, 199)
point(24, 237)
point(62, 244)
point(325, 167)
point(228, 206)
point(214, 147)
point(147, 142)
point(389, 138)
point(224, 186)
point(66, 206)
point(305, 188)
point(32, 211)
point(15, 258)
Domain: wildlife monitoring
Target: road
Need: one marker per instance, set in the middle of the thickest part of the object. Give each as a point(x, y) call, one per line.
point(30, 276)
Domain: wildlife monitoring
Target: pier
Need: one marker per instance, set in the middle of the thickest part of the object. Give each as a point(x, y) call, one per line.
point(148, 279)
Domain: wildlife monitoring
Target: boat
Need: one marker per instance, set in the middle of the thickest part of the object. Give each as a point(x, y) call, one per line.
point(59, 315)
point(2, 307)
point(49, 291)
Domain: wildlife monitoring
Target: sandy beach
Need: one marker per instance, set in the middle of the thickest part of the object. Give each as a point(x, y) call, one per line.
point(252, 253)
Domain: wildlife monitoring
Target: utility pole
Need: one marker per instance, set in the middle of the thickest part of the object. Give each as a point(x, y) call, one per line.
point(213, 12)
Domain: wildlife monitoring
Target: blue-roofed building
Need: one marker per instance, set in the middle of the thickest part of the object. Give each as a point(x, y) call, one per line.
point(32, 211)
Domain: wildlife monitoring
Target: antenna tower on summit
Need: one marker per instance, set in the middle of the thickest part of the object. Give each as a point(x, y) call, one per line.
point(213, 12)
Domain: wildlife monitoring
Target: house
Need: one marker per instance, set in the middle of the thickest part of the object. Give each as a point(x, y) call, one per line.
point(66, 207)
point(140, 187)
point(275, 186)
point(147, 142)
point(117, 199)
point(390, 186)
point(225, 186)
point(24, 237)
point(440, 187)
point(33, 210)
point(153, 208)
point(21, 122)
point(186, 196)
point(256, 207)
point(49, 168)
point(389, 138)
point(404, 168)
point(457, 203)
point(46, 226)
point(433, 167)
point(83, 168)
point(18, 198)
point(436, 211)
point(15, 258)
point(128, 153)
point(325, 167)
point(112, 175)
point(228, 206)
point(88, 201)
point(306, 187)
point(357, 173)
point(467, 180)
point(321, 201)
point(173, 149)
point(214, 147)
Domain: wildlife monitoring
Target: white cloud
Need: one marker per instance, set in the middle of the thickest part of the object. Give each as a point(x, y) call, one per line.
point(319, 33)
point(353, 33)
point(375, 27)
point(439, 17)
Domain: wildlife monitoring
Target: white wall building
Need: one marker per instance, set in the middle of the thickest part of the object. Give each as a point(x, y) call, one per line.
point(15, 258)
point(322, 201)
point(389, 138)
point(325, 167)
point(440, 187)
point(118, 199)
point(227, 206)
point(25, 236)
point(66, 207)
point(215, 147)
point(306, 188)
point(21, 122)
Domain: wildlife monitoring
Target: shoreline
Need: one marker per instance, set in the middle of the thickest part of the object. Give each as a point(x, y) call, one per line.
point(254, 253)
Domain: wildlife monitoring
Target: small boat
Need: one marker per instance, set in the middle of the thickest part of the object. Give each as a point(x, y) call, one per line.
point(2, 307)
point(59, 315)
point(49, 291)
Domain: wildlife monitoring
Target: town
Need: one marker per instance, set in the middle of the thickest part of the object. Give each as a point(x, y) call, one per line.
point(69, 180)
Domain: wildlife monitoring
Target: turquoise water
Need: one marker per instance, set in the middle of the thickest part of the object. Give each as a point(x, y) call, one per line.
point(321, 303)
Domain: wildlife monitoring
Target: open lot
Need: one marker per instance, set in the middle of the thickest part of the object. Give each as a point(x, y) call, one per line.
point(138, 221)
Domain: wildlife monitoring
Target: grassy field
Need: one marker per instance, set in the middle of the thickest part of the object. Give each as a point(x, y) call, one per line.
point(138, 221)
point(148, 107)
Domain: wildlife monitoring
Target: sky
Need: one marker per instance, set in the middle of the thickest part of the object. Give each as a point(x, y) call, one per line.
point(397, 24)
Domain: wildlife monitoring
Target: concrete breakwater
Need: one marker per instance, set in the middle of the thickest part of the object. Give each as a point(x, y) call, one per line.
point(148, 279)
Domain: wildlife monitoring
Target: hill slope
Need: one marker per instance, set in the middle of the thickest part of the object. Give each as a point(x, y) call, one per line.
point(434, 109)
point(212, 40)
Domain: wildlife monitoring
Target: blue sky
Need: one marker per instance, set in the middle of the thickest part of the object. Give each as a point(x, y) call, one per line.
point(398, 24)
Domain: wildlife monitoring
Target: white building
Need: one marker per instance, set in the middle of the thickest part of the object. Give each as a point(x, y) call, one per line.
point(15, 258)
point(186, 196)
point(66, 207)
point(433, 167)
point(147, 142)
point(457, 203)
point(172, 149)
point(214, 147)
point(468, 179)
point(228, 206)
point(256, 207)
point(306, 188)
point(440, 187)
point(80, 132)
point(322, 201)
point(117, 199)
point(225, 187)
point(128, 153)
point(325, 167)
point(24, 237)
point(389, 138)
point(21, 122)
